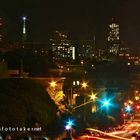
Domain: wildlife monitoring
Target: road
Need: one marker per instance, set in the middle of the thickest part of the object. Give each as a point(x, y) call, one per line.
point(124, 133)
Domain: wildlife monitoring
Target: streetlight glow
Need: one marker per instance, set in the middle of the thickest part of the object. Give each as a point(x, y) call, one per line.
point(53, 84)
point(130, 102)
point(84, 84)
point(93, 97)
point(106, 103)
point(128, 108)
point(137, 98)
point(69, 124)
point(67, 127)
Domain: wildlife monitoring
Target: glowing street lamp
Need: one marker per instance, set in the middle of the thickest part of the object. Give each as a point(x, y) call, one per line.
point(136, 91)
point(105, 103)
point(93, 96)
point(69, 124)
point(130, 102)
point(68, 128)
point(84, 85)
point(137, 98)
point(53, 84)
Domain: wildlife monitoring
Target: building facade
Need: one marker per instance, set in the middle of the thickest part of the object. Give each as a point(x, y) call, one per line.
point(62, 48)
point(113, 37)
point(1, 26)
point(86, 49)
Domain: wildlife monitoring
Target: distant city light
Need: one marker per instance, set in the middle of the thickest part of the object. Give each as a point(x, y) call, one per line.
point(128, 64)
point(137, 98)
point(136, 91)
point(73, 53)
point(138, 107)
point(74, 83)
point(124, 115)
point(24, 18)
point(130, 102)
point(128, 108)
point(78, 83)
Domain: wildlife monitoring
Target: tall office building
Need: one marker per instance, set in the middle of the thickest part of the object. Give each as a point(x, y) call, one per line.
point(1, 24)
point(113, 38)
point(62, 48)
point(86, 49)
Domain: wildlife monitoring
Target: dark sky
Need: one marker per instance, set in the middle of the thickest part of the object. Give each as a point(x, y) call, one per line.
point(81, 18)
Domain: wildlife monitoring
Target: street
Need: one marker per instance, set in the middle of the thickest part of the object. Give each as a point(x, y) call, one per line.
point(125, 132)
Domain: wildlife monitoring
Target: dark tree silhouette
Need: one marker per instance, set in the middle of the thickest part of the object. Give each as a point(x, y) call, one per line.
point(24, 102)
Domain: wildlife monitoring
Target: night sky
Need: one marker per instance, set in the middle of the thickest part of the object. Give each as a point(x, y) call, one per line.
point(80, 18)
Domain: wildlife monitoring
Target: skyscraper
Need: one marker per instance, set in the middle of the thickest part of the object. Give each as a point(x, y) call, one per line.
point(113, 37)
point(86, 49)
point(62, 48)
point(1, 24)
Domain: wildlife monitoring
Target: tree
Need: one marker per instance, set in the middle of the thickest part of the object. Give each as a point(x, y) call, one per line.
point(24, 102)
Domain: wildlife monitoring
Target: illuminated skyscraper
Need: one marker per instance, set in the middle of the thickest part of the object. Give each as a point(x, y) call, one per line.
point(24, 29)
point(113, 38)
point(1, 24)
point(86, 49)
point(62, 48)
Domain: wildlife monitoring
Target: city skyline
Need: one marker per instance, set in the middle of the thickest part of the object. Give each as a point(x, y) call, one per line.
point(82, 19)
point(70, 68)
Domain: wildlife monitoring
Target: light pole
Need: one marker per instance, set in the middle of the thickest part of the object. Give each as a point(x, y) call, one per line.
point(93, 98)
point(88, 102)
point(68, 127)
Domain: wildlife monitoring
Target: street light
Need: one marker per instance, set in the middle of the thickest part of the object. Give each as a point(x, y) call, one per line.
point(69, 124)
point(136, 91)
point(137, 98)
point(93, 96)
point(53, 84)
point(84, 85)
point(106, 103)
point(68, 127)
point(130, 102)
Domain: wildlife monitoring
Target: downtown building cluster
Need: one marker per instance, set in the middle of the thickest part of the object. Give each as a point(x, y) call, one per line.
point(66, 50)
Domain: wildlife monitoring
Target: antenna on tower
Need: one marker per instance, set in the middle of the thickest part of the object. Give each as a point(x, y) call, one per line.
point(24, 18)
